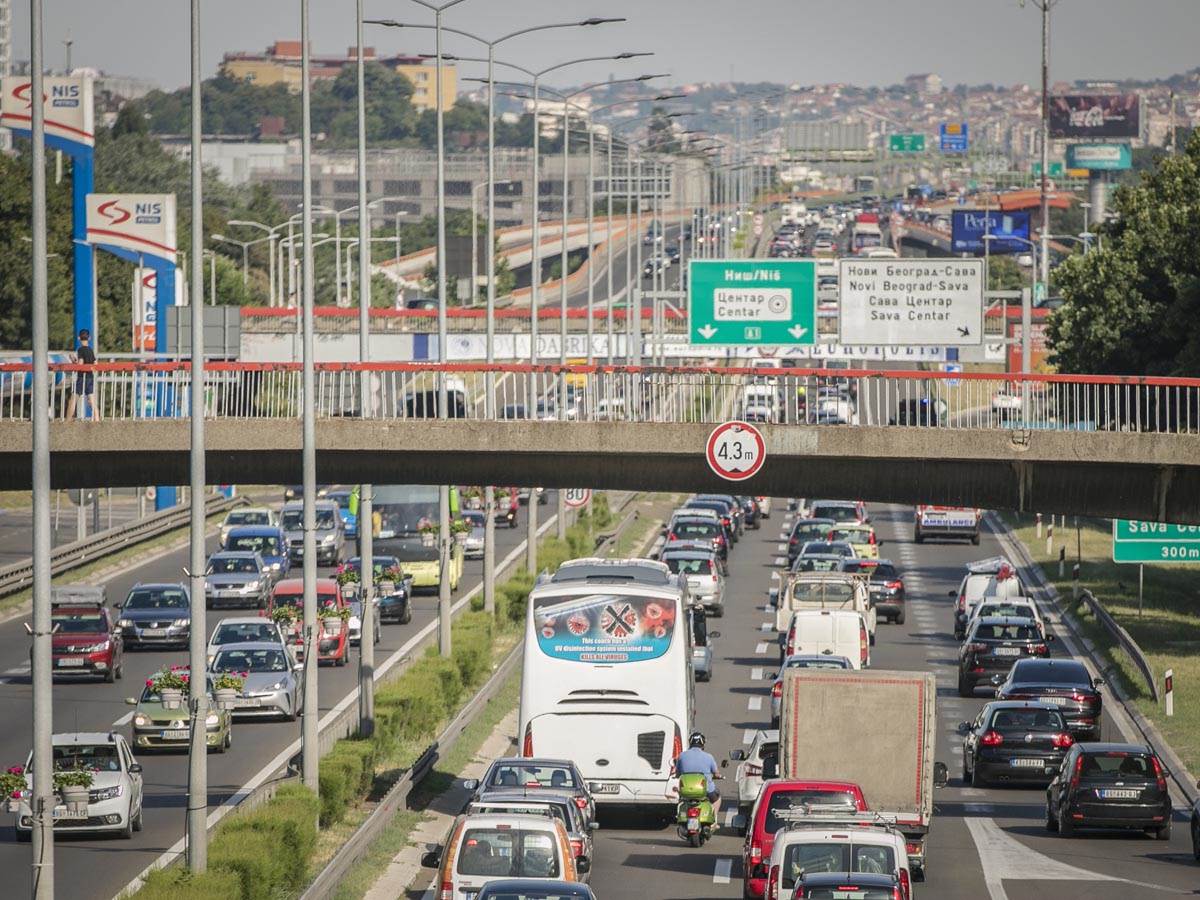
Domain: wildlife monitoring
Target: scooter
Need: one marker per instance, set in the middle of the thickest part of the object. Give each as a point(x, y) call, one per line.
point(694, 818)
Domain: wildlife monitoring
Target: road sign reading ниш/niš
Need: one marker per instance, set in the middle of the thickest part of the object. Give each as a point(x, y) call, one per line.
point(911, 302)
point(752, 301)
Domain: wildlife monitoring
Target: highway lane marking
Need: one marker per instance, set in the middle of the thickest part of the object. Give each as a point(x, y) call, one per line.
point(748, 736)
point(754, 704)
point(780, 561)
point(956, 749)
point(756, 674)
point(783, 535)
point(730, 816)
point(721, 870)
point(760, 649)
point(781, 548)
point(767, 626)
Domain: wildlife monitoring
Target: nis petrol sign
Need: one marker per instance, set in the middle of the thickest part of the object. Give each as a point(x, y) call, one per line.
point(66, 104)
point(141, 224)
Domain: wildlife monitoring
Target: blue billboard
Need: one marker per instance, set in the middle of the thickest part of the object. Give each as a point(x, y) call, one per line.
point(954, 137)
point(968, 227)
point(604, 628)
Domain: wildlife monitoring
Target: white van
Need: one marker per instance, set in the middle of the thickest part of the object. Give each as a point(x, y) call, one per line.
point(992, 579)
point(761, 396)
point(830, 632)
point(850, 843)
point(823, 590)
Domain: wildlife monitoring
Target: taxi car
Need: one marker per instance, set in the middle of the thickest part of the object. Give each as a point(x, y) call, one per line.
point(860, 537)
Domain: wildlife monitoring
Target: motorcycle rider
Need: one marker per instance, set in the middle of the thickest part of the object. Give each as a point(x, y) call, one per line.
point(695, 761)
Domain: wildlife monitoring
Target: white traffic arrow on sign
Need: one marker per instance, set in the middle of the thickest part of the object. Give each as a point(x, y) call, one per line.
point(735, 450)
point(797, 332)
point(576, 498)
point(707, 332)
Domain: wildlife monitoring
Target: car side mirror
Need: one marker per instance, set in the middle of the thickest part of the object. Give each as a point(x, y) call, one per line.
point(1050, 638)
point(724, 764)
point(737, 755)
point(712, 635)
point(941, 775)
point(432, 857)
point(951, 593)
point(593, 826)
point(964, 727)
point(135, 768)
point(1097, 681)
point(131, 701)
point(471, 784)
point(583, 865)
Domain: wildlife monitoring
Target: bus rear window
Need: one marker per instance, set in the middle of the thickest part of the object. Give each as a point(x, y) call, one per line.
point(604, 628)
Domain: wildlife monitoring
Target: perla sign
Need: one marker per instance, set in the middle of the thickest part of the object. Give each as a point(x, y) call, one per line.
point(142, 224)
point(66, 104)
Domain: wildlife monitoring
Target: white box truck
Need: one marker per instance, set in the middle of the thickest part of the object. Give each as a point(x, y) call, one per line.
point(889, 717)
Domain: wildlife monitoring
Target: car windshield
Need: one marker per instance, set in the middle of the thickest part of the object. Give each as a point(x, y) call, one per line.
point(1017, 610)
point(264, 544)
point(533, 775)
point(837, 513)
point(156, 598)
point(821, 591)
point(986, 631)
point(248, 517)
point(830, 856)
point(508, 853)
point(788, 807)
point(853, 535)
point(293, 519)
point(822, 662)
point(97, 757)
point(1025, 720)
point(690, 530)
point(1046, 672)
point(257, 660)
point(822, 548)
point(229, 565)
point(812, 530)
point(78, 623)
point(342, 500)
point(244, 632)
point(474, 516)
point(877, 570)
point(1116, 766)
point(826, 563)
point(689, 566)
point(501, 893)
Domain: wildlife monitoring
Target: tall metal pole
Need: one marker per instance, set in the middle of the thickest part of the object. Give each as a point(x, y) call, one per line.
point(309, 757)
point(629, 235)
point(272, 285)
point(489, 491)
point(444, 490)
point(1045, 237)
point(366, 535)
point(42, 801)
point(197, 807)
point(608, 318)
point(591, 274)
point(560, 528)
point(535, 269)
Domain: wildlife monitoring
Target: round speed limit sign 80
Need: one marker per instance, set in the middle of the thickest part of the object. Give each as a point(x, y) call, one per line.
point(735, 450)
point(576, 498)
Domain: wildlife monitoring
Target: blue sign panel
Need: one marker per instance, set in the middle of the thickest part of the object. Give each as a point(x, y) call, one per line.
point(954, 137)
point(604, 628)
point(968, 227)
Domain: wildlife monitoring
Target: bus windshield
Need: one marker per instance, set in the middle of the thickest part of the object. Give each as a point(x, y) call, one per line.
point(401, 510)
point(607, 628)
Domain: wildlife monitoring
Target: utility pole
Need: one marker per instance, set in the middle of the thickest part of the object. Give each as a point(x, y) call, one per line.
point(366, 534)
point(41, 803)
point(197, 807)
point(1045, 6)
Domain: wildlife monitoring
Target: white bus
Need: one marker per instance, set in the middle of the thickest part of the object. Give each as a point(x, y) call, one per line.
point(607, 680)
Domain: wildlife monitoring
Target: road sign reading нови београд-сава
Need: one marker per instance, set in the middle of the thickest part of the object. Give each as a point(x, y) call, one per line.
point(1154, 542)
point(752, 301)
point(910, 302)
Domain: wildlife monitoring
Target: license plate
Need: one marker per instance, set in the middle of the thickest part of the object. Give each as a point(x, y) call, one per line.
point(607, 789)
point(61, 812)
point(154, 632)
point(1054, 701)
point(1006, 651)
point(175, 734)
point(247, 701)
point(70, 663)
point(693, 824)
point(1027, 763)
point(1118, 794)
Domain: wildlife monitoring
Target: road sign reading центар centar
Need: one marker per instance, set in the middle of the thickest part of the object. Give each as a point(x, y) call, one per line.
point(752, 301)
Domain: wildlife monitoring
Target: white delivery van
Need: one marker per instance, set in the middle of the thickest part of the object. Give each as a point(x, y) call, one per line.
point(830, 632)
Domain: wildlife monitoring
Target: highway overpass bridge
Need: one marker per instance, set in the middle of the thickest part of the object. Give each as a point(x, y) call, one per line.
point(1117, 447)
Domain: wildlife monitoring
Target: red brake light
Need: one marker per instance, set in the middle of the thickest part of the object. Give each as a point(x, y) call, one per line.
point(1039, 649)
point(991, 739)
point(693, 812)
point(863, 643)
point(1062, 741)
point(581, 802)
point(752, 769)
point(976, 648)
point(962, 602)
point(672, 537)
point(676, 745)
point(773, 884)
point(576, 847)
point(777, 689)
point(1078, 771)
point(905, 884)
point(894, 585)
point(447, 891)
point(1159, 776)
point(794, 541)
point(527, 747)
point(912, 848)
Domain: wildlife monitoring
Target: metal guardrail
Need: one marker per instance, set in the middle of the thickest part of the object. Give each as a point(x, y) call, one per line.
point(1123, 639)
point(396, 798)
point(66, 557)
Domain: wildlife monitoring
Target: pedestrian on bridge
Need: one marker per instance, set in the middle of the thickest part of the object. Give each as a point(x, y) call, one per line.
point(85, 382)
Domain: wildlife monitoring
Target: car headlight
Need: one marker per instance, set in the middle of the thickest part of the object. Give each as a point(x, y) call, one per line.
point(212, 720)
point(141, 721)
point(125, 623)
point(250, 586)
point(278, 686)
point(182, 623)
point(328, 539)
point(108, 793)
point(96, 648)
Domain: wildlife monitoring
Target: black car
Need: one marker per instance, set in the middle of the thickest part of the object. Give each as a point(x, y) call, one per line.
point(155, 615)
point(1063, 683)
point(750, 512)
point(805, 530)
point(1110, 786)
point(726, 512)
point(672, 251)
point(885, 584)
point(737, 516)
point(992, 646)
point(1014, 741)
point(832, 885)
point(685, 528)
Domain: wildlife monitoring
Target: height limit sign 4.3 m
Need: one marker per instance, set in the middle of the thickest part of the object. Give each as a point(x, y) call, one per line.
point(752, 301)
point(735, 450)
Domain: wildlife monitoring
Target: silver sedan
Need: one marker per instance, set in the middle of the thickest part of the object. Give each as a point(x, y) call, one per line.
point(270, 686)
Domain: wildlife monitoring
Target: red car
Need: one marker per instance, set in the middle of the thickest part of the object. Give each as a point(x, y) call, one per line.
point(84, 642)
point(780, 803)
point(333, 640)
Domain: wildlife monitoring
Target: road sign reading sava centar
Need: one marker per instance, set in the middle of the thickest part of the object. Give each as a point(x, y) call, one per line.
point(752, 301)
point(901, 302)
point(1154, 542)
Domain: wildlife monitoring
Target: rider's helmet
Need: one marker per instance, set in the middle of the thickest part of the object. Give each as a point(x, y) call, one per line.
point(696, 739)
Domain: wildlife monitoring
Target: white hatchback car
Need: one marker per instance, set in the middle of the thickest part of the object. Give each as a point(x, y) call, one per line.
point(114, 796)
point(247, 515)
point(851, 843)
point(756, 764)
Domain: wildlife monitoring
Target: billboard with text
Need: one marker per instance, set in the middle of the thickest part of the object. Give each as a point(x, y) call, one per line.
point(140, 224)
point(1009, 231)
point(1092, 116)
point(66, 104)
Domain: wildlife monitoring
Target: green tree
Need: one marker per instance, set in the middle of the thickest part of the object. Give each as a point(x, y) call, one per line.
point(1132, 307)
point(1005, 275)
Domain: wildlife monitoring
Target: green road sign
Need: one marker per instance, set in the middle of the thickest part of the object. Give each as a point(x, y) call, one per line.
point(1056, 169)
point(906, 143)
point(1154, 542)
point(1039, 292)
point(752, 301)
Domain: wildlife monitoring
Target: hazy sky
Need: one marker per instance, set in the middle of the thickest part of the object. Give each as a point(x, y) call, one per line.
point(805, 41)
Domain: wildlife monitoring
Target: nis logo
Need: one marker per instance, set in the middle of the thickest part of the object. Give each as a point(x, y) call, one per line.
point(150, 213)
point(64, 96)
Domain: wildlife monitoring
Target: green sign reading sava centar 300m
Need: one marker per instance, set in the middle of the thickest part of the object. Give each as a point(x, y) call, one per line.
point(1154, 542)
point(752, 301)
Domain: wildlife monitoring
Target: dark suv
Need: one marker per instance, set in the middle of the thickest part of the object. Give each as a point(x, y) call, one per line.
point(992, 646)
point(1063, 683)
point(1110, 786)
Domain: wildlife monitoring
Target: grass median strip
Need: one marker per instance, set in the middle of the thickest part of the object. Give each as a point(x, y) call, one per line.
point(1167, 629)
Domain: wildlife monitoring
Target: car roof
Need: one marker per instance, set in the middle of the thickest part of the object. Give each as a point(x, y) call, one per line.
point(68, 738)
point(1073, 665)
point(150, 585)
point(1021, 704)
point(522, 795)
point(1002, 620)
point(512, 820)
point(1098, 747)
point(244, 620)
point(235, 554)
point(593, 568)
point(252, 509)
point(863, 878)
point(538, 885)
point(250, 645)
point(547, 761)
point(296, 585)
point(255, 530)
